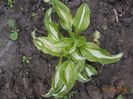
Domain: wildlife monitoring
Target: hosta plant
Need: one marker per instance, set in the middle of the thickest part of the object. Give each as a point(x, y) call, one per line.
point(73, 50)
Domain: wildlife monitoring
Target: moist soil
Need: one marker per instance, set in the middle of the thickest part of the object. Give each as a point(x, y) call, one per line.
point(113, 18)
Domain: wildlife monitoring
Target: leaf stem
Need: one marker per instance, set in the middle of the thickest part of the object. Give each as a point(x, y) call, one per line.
point(60, 60)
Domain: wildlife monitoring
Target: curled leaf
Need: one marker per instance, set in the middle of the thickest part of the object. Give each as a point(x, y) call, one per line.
point(45, 45)
point(64, 14)
point(95, 54)
point(83, 78)
point(51, 27)
point(90, 70)
point(56, 84)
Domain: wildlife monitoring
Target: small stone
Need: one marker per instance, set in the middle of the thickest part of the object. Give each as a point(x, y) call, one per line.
point(94, 92)
point(108, 91)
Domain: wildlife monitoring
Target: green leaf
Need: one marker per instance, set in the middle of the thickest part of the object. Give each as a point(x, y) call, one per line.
point(56, 84)
point(82, 18)
point(95, 54)
point(86, 73)
point(45, 45)
point(65, 97)
point(68, 73)
point(61, 93)
point(11, 23)
point(119, 97)
point(65, 74)
point(80, 66)
point(77, 56)
point(96, 36)
point(83, 78)
point(65, 43)
point(13, 36)
point(79, 42)
point(51, 27)
point(64, 14)
point(90, 70)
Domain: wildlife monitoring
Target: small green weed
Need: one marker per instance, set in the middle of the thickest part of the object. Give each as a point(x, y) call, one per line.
point(11, 3)
point(13, 30)
point(34, 15)
point(26, 59)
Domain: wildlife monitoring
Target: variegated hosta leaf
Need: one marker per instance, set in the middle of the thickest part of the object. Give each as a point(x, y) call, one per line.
point(86, 73)
point(64, 14)
point(51, 27)
point(63, 81)
point(79, 42)
point(46, 0)
point(91, 71)
point(81, 72)
point(82, 18)
point(77, 56)
point(68, 73)
point(83, 78)
point(95, 54)
point(80, 65)
point(56, 84)
point(68, 76)
point(45, 45)
point(65, 43)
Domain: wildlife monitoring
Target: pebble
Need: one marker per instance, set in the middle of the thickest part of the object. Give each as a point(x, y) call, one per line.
point(94, 92)
point(108, 91)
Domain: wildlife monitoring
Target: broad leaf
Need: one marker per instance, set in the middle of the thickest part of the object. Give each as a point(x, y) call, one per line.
point(65, 43)
point(44, 44)
point(82, 18)
point(79, 42)
point(77, 56)
point(68, 73)
point(68, 76)
point(64, 14)
point(56, 84)
point(95, 54)
point(51, 27)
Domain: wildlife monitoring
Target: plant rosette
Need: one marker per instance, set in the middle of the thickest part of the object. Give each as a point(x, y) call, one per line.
point(75, 50)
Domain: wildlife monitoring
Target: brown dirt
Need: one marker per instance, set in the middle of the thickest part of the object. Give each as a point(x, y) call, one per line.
point(113, 18)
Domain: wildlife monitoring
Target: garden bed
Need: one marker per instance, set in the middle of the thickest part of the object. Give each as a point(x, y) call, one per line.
point(18, 80)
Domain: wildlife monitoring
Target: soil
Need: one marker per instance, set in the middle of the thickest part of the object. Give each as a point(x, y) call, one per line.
point(113, 18)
